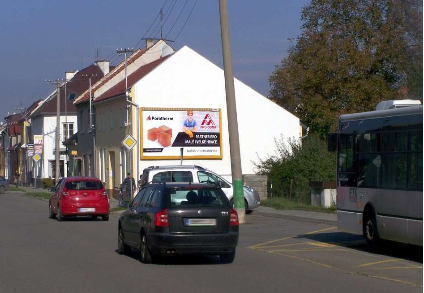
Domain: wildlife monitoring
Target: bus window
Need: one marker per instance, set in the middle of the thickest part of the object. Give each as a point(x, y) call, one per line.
point(347, 174)
point(369, 170)
point(394, 170)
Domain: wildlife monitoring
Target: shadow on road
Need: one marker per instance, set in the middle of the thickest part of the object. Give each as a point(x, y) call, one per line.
point(179, 259)
point(387, 248)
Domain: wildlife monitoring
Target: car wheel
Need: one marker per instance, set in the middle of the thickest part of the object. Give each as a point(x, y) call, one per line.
point(51, 214)
point(105, 218)
point(59, 214)
point(145, 255)
point(228, 257)
point(1, 189)
point(371, 232)
point(246, 206)
point(122, 247)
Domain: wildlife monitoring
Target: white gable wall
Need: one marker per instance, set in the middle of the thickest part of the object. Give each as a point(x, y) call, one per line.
point(188, 80)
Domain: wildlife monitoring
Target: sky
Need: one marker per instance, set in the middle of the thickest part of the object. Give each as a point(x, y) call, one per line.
point(41, 39)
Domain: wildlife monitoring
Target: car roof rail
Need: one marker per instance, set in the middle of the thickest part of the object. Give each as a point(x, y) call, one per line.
point(159, 182)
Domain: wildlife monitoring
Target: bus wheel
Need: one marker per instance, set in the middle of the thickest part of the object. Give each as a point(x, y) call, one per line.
point(371, 231)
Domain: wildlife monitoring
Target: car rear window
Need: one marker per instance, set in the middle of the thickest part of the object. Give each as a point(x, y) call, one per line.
point(84, 185)
point(174, 176)
point(197, 197)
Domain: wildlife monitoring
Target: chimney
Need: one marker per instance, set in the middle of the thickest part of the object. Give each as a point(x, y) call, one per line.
point(70, 74)
point(103, 65)
point(149, 43)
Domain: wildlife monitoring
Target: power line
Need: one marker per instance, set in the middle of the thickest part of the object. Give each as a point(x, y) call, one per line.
point(167, 14)
point(178, 17)
point(192, 9)
point(157, 16)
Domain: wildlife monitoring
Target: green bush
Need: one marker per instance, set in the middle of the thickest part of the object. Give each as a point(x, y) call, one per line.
point(47, 182)
point(297, 163)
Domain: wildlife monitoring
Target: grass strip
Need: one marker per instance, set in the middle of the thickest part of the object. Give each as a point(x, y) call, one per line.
point(14, 188)
point(43, 195)
point(281, 203)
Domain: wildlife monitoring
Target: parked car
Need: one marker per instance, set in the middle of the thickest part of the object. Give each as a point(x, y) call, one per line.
point(79, 196)
point(4, 185)
point(179, 218)
point(197, 174)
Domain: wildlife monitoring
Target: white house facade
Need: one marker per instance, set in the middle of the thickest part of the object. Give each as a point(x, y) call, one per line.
point(187, 80)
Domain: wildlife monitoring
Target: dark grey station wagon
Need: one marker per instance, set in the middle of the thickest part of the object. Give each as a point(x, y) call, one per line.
point(179, 218)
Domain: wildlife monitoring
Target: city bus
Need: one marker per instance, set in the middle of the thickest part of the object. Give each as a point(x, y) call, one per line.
point(380, 173)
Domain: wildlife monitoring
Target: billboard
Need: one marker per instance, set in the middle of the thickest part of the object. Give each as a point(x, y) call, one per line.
point(163, 132)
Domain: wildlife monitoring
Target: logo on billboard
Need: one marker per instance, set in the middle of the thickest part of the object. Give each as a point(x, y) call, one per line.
point(208, 122)
point(159, 118)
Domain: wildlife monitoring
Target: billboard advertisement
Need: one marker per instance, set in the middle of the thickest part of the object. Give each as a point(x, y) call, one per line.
point(163, 132)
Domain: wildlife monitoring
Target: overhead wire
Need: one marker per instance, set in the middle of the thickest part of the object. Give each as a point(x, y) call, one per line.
point(151, 25)
point(167, 14)
point(192, 9)
point(176, 20)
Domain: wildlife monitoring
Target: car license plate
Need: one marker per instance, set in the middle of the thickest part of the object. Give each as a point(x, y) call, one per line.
point(86, 210)
point(200, 222)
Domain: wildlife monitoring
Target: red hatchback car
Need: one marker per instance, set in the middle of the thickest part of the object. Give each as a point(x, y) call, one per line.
point(79, 196)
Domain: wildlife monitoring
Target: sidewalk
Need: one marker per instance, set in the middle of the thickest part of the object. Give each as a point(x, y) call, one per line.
point(298, 215)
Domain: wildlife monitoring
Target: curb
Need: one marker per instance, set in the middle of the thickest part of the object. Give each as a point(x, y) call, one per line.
point(296, 218)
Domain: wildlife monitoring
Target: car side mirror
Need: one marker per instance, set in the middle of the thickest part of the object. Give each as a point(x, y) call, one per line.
point(124, 204)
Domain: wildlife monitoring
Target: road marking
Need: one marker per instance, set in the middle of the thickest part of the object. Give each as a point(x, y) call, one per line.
point(272, 241)
point(395, 268)
point(322, 230)
point(345, 271)
point(377, 262)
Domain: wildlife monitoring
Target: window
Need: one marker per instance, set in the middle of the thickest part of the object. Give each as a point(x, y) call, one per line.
point(84, 185)
point(156, 198)
point(162, 177)
point(347, 174)
point(147, 196)
point(182, 176)
point(68, 130)
point(71, 96)
point(369, 170)
point(206, 177)
point(136, 201)
point(394, 171)
point(197, 197)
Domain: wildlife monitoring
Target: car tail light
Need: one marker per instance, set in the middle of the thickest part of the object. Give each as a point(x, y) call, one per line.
point(65, 191)
point(104, 193)
point(233, 218)
point(162, 218)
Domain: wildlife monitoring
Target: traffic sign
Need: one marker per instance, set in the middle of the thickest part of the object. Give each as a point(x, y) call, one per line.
point(129, 142)
point(36, 158)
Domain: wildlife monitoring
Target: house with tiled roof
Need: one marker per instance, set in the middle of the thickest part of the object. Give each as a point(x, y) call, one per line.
point(43, 120)
point(110, 123)
point(14, 137)
point(4, 144)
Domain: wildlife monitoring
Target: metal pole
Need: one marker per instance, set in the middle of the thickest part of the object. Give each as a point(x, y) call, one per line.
point(58, 134)
point(232, 114)
point(181, 156)
point(66, 135)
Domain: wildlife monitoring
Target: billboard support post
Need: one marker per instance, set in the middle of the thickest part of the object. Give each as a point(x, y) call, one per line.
point(182, 155)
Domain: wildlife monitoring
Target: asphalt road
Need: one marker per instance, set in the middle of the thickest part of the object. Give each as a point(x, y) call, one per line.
point(38, 254)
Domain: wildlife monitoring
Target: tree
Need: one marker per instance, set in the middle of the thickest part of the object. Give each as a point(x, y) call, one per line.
point(351, 55)
point(297, 164)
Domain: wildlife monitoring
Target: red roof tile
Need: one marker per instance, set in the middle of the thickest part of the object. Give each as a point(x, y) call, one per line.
point(77, 85)
point(119, 68)
point(119, 88)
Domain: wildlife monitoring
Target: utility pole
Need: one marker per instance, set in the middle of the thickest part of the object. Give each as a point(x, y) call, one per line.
point(128, 105)
point(232, 114)
point(58, 82)
point(91, 122)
